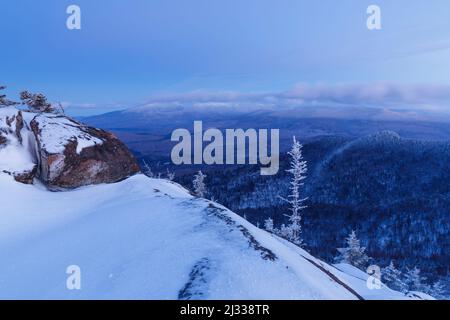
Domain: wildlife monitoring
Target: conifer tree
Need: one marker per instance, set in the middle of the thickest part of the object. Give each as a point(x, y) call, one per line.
point(199, 185)
point(392, 277)
point(298, 169)
point(353, 253)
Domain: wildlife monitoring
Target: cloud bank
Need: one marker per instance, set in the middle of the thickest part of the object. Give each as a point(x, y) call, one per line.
point(382, 100)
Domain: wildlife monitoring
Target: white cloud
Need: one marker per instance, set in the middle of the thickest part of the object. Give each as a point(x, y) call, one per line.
point(389, 98)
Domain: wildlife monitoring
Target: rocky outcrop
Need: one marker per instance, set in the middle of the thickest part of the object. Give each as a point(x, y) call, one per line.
point(65, 153)
point(79, 155)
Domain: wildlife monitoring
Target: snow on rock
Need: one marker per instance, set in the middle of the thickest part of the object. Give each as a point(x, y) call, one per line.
point(56, 131)
point(16, 155)
point(60, 151)
point(145, 238)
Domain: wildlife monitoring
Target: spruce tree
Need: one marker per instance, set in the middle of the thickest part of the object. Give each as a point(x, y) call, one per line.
point(268, 224)
point(297, 169)
point(415, 281)
point(438, 291)
point(199, 185)
point(353, 253)
point(392, 277)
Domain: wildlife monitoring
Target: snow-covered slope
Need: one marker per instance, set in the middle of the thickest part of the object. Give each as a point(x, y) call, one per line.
point(149, 239)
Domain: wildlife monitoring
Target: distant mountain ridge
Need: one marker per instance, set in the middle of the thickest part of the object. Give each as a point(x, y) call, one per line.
point(147, 131)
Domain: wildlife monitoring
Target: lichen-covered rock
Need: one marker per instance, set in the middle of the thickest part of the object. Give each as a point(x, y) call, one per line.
point(60, 151)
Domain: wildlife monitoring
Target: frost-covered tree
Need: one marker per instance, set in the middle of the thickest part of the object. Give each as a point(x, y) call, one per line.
point(170, 175)
point(392, 277)
point(438, 290)
point(36, 102)
point(353, 253)
point(415, 281)
point(268, 224)
point(284, 231)
point(147, 170)
point(199, 185)
point(298, 169)
point(4, 102)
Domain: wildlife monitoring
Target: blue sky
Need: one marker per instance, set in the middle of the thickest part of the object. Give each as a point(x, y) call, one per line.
point(130, 50)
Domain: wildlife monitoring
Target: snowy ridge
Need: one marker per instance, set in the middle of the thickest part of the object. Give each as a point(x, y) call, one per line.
point(150, 239)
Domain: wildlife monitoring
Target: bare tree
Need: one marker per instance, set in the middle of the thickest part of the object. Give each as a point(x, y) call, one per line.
point(147, 170)
point(61, 109)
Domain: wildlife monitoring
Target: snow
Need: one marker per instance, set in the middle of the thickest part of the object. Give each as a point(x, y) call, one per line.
point(142, 238)
point(419, 296)
point(57, 131)
point(358, 279)
point(14, 156)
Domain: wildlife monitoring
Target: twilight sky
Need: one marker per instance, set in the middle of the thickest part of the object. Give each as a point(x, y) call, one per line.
point(129, 51)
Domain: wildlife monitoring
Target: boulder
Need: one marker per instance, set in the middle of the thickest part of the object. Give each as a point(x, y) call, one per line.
point(72, 155)
point(61, 152)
